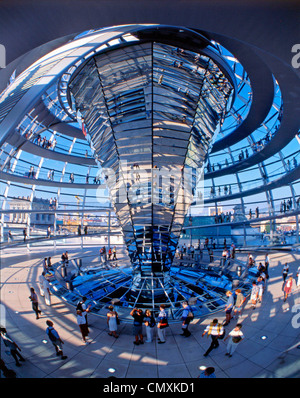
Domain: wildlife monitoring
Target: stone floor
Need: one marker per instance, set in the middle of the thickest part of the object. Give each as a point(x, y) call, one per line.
point(275, 356)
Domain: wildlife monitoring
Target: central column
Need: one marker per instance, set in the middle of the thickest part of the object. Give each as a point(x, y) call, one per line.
point(151, 111)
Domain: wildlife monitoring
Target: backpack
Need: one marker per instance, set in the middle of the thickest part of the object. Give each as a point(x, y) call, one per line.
point(51, 335)
point(190, 315)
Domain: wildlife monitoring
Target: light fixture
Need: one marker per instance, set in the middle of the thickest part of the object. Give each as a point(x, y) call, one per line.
point(111, 370)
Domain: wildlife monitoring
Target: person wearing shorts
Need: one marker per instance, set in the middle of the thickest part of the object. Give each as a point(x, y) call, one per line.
point(138, 317)
point(229, 307)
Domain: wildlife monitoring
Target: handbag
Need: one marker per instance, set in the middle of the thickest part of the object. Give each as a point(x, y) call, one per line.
point(191, 315)
point(236, 339)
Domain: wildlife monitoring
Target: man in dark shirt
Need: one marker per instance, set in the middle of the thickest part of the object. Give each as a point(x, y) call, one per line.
point(138, 317)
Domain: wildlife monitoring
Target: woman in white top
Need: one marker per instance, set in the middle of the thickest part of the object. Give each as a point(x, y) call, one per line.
point(235, 337)
point(112, 321)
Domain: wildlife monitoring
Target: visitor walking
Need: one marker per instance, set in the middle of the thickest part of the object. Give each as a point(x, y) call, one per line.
point(35, 304)
point(288, 287)
point(162, 323)
point(215, 330)
point(12, 346)
point(239, 303)
point(187, 317)
point(150, 323)
point(229, 307)
point(235, 337)
point(285, 271)
point(81, 322)
point(55, 339)
point(81, 305)
point(112, 321)
point(138, 317)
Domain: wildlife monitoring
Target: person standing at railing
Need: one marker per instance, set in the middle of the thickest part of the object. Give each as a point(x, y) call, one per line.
point(112, 321)
point(298, 276)
point(46, 286)
point(81, 306)
point(35, 304)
